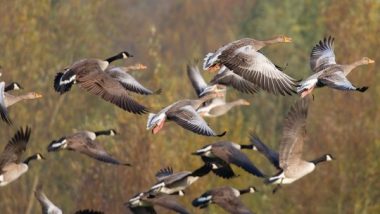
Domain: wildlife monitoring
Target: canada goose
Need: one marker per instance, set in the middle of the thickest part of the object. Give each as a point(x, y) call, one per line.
point(11, 167)
point(84, 142)
point(128, 81)
point(183, 113)
point(228, 78)
point(243, 58)
point(226, 197)
point(13, 86)
point(87, 211)
point(327, 72)
point(90, 75)
point(47, 206)
point(216, 106)
point(224, 153)
point(171, 183)
point(289, 159)
point(144, 203)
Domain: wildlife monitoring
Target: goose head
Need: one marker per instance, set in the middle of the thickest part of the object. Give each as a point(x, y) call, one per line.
point(15, 86)
point(284, 39)
point(33, 95)
point(366, 61)
point(57, 145)
point(125, 55)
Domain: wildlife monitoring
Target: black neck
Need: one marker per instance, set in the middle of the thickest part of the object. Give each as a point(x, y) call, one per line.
point(113, 58)
point(9, 87)
point(244, 191)
point(250, 146)
point(105, 132)
point(319, 160)
point(28, 159)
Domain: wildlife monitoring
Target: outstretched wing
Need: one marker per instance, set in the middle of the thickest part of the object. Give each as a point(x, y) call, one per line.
point(15, 147)
point(270, 154)
point(322, 54)
point(196, 79)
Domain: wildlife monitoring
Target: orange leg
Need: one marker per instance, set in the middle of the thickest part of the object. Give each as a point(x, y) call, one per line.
point(158, 127)
point(214, 68)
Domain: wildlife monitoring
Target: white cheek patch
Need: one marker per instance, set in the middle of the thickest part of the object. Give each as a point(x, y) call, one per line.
point(206, 149)
point(59, 144)
point(204, 199)
point(64, 82)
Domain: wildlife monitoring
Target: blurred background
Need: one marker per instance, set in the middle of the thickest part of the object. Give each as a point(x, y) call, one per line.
point(39, 38)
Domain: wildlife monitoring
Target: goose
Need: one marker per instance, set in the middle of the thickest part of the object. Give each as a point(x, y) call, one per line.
point(222, 154)
point(88, 211)
point(47, 206)
point(225, 197)
point(128, 81)
point(7, 99)
point(172, 183)
point(243, 58)
point(217, 106)
point(327, 72)
point(11, 167)
point(289, 159)
point(184, 113)
point(85, 143)
point(144, 203)
point(90, 75)
point(227, 77)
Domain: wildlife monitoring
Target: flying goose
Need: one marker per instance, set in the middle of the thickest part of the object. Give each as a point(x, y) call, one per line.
point(224, 153)
point(171, 183)
point(90, 75)
point(184, 113)
point(128, 81)
point(144, 203)
point(327, 72)
point(289, 159)
point(243, 57)
point(217, 106)
point(11, 167)
point(7, 99)
point(226, 197)
point(85, 143)
point(47, 206)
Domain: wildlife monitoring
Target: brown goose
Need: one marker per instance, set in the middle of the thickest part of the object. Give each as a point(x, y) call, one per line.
point(128, 81)
point(184, 113)
point(226, 197)
point(216, 106)
point(84, 142)
point(327, 72)
point(11, 167)
point(243, 58)
point(90, 75)
point(289, 159)
point(144, 203)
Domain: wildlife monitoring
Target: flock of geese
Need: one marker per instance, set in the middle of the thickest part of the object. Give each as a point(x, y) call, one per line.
point(240, 65)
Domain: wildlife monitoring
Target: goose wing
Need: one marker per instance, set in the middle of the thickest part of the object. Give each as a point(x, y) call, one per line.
point(168, 202)
point(337, 80)
point(322, 55)
point(3, 109)
point(189, 119)
point(196, 79)
point(128, 81)
point(270, 154)
point(225, 198)
point(163, 173)
point(15, 147)
point(258, 69)
point(293, 134)
point(230, 154)
point(101, 84)
point(227, 77)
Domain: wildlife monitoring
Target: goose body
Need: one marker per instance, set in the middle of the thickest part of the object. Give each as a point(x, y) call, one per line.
point(243, 59)
point(222, 154)
point(183, 113)
point(91, 75)
point(11, 167)
point(225, 197)
point(327, 72)
point(85, 142)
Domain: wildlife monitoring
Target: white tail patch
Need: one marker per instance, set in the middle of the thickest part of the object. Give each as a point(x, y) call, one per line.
point(307, 84)
point(150, 118)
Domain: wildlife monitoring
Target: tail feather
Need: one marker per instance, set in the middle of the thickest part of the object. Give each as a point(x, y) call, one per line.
point(150, 118)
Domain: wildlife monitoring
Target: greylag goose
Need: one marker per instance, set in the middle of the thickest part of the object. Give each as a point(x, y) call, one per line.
point(84, 142)
point(243, 58)
point(174, 183)
point(221, 154)
point(11, 167)
point(90, 75)
point(128, 81)
point(184, 113)
point(289, 159)
point(144, 203)
point(327, 72)
point(226, 197)
point(216, 106)
point(47, 206)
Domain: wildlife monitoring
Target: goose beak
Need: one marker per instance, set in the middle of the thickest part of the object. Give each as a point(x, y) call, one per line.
point(37, 95)
point(287, 39)
point(370, 61)
point(245, 103)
